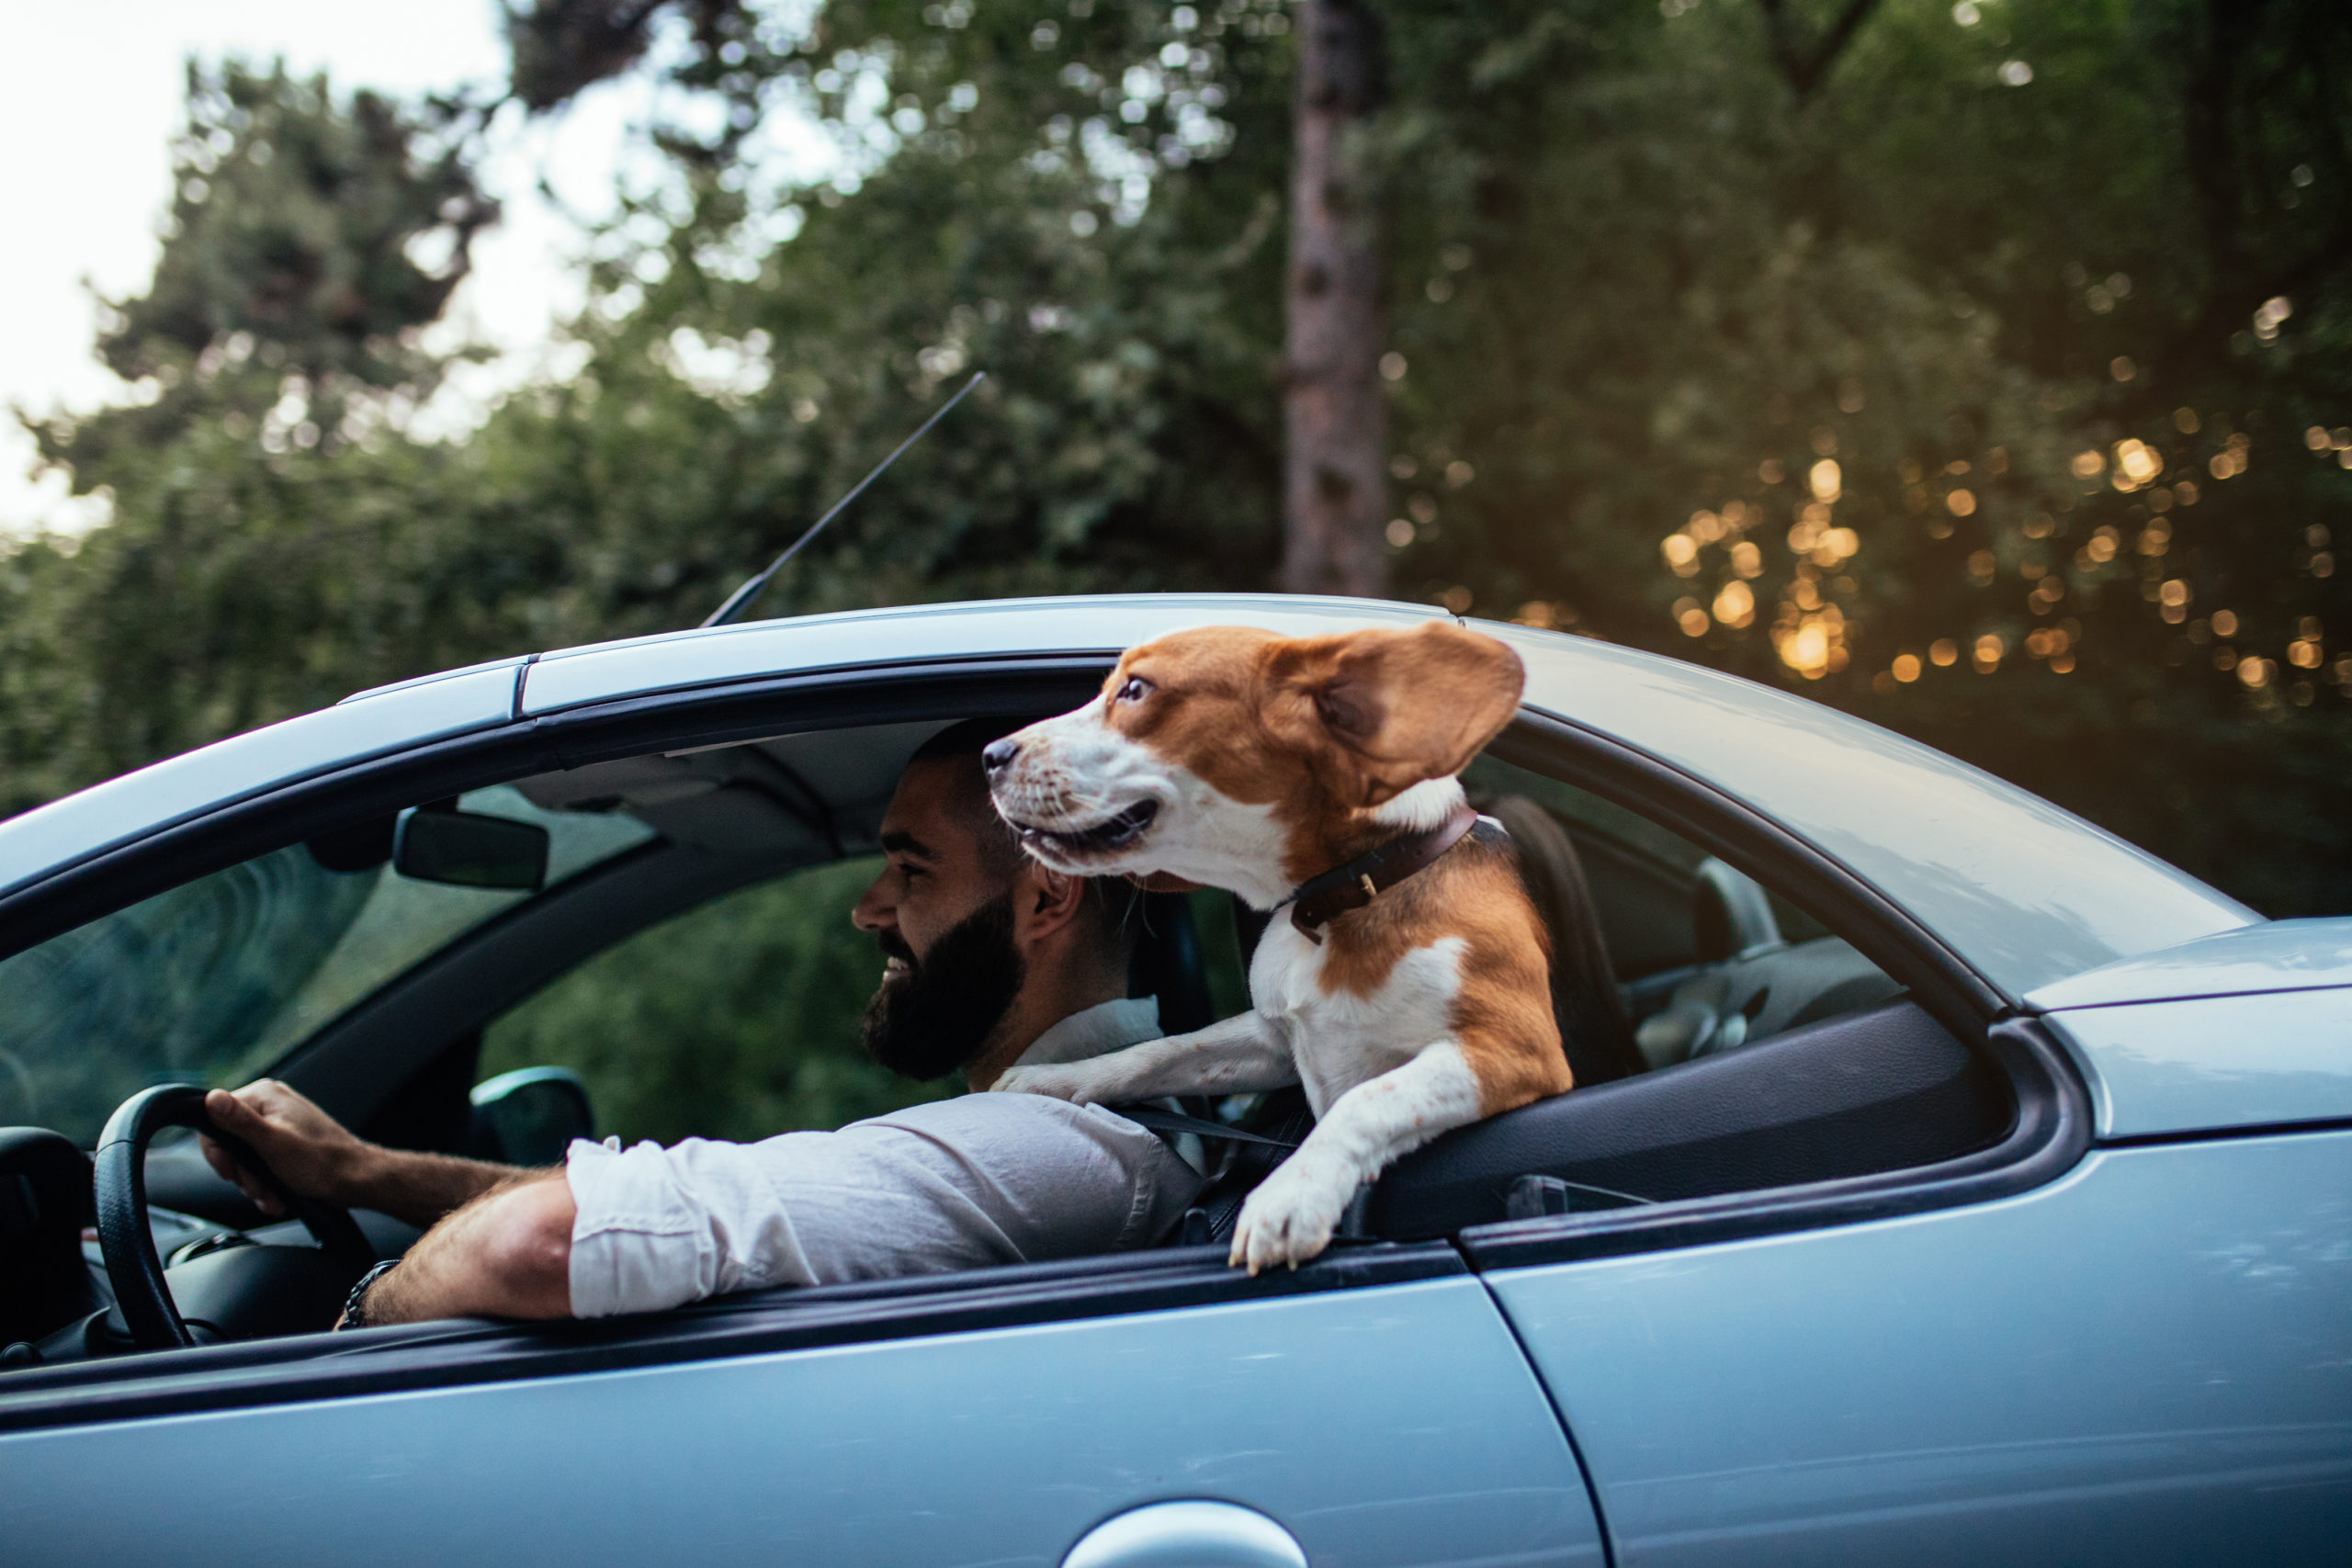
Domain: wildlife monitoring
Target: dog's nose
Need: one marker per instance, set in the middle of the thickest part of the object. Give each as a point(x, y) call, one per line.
point(998, 755)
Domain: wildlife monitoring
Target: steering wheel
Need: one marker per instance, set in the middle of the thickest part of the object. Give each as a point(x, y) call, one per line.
point(129, 1247)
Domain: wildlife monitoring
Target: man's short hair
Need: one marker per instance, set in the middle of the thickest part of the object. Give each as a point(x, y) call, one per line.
point(1110, 899)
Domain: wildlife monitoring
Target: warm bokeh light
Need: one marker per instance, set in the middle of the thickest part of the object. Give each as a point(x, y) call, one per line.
point(1906, 667)
point(1943, 651)
point(1735, 606)
point(2136, 464)
point(2225, 623)
point(1987, 653)
point(1962, 504)
point(1825, 480)
point(2089, 464)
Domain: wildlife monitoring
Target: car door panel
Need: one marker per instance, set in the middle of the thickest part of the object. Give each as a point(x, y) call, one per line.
point(1391, 1425)
point(2147, 1361)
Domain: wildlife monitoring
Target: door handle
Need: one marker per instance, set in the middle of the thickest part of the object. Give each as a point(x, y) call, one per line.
point(1187, 1535)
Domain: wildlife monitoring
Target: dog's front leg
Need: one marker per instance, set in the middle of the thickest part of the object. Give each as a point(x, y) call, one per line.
point(1292, 1215)
point(1243, 1053)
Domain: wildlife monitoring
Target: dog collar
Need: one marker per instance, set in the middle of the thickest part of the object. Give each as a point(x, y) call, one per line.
point(1322, 899)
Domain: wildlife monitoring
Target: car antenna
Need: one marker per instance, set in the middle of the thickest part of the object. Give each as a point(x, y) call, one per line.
point(740, 599)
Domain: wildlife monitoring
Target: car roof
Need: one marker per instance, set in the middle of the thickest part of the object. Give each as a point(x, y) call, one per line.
point(2024, 892)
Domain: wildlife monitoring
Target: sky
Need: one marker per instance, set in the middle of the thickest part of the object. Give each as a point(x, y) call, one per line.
point(89, 96)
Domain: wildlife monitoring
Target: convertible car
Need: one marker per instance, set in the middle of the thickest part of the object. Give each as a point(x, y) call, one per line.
point(1946, 1181)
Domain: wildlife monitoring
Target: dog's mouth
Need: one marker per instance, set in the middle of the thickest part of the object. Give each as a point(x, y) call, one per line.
point(1115, 832)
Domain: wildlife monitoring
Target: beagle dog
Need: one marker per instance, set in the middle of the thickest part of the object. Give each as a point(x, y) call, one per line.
point(1408, 990)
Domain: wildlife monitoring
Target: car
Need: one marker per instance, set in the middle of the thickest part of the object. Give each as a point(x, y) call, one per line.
point(1965, 1185)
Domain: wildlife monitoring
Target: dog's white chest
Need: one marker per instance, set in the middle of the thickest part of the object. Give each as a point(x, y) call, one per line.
point(1339, 1038)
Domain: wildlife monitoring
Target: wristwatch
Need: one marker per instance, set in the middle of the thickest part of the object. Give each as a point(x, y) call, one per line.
point(355, 1305)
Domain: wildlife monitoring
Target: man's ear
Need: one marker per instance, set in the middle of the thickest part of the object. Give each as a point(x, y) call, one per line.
point(1044, 900)
point(1396, 707)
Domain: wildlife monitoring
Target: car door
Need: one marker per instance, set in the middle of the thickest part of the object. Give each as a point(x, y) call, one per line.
point(1373, 1406)
point(2146, 1359)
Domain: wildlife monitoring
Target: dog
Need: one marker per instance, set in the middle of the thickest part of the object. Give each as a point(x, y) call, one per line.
point(1408, 991)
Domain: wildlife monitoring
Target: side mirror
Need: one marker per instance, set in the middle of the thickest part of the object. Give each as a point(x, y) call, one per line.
point(530, 1116)
point(467, 849)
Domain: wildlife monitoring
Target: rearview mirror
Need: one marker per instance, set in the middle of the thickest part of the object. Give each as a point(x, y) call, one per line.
point(468, 849)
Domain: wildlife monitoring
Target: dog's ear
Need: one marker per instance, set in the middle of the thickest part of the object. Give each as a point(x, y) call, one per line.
point(1162, 881)
point(1393, 709)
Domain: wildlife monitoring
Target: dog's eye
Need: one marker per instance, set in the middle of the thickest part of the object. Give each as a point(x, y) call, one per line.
point(1136, 689)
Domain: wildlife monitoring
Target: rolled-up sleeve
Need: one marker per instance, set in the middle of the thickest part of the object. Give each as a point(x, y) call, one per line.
point(657, 1227)
point(955, 1184)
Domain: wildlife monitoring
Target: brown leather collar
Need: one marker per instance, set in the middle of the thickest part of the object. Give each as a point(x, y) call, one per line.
point(1320, 900)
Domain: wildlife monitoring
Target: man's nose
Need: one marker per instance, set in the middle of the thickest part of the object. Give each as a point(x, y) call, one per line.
point(873, 911)
point(998, 755)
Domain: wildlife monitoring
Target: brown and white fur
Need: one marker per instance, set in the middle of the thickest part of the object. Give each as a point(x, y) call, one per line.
point(1238, 759)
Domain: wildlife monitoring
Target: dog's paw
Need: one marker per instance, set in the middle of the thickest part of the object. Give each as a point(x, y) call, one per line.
point(1057, 1082)
point(1289, 1219)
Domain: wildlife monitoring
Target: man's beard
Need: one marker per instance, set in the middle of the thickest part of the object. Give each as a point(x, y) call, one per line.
point(937, 1016)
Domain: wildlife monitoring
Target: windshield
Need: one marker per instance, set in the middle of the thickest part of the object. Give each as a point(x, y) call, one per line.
point(212, 981)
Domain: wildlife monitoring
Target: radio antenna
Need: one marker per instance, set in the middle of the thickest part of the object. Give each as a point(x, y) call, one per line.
point(740, 599)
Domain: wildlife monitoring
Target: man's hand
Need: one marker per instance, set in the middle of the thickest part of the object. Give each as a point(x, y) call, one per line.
point(319, 1158)
point(307, 1149)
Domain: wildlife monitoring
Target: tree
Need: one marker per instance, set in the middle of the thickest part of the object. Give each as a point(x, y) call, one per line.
point(1981, 367)
point(1335, 479)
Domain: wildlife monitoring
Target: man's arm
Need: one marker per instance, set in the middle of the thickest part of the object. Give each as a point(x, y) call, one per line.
point(506, 1254)
point(319, 1158)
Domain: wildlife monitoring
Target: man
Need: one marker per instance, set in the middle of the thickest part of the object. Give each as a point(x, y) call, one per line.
point(990, 960)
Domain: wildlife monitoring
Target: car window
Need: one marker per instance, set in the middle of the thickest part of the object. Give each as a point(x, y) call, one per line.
point(737, 1019)
point(211, 981)
point(1647, 885)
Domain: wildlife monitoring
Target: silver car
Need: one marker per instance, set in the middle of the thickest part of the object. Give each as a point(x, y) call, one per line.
point(1969, 1186)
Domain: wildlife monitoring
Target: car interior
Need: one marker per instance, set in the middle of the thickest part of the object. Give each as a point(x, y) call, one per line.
point(1743, 1047)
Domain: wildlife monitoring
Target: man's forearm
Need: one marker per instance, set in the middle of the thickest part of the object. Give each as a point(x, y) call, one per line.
point(506, 1254)
point(417, 1188)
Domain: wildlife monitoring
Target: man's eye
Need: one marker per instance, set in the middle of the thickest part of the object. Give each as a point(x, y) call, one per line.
point(1136, 689)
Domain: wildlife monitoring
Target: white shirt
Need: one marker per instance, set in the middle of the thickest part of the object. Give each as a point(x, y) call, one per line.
point(963, 1183)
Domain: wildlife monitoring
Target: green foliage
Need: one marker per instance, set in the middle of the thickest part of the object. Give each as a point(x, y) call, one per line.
point(739, 1019)
point(2012, 278)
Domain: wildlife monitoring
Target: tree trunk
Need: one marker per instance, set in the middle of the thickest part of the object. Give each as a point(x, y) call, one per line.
point(1335, 476)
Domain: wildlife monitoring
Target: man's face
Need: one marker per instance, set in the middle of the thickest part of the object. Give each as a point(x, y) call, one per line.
point(943, 919)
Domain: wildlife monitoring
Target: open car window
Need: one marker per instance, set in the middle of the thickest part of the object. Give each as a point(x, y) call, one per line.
point(211, 982)
point(737, 1019)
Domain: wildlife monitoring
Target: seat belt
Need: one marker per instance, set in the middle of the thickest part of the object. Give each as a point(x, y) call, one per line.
point(1199, 1126)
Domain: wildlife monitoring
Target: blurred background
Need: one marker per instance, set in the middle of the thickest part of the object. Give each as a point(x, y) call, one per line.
point(1982, 368)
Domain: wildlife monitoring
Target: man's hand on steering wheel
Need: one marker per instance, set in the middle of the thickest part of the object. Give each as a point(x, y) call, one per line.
point(309, 1150)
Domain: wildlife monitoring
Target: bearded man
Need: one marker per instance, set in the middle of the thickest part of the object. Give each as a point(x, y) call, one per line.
point(990, 960)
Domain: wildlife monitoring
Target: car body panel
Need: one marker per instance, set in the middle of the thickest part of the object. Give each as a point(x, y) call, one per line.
point(2024, 893)
point(2214, 1062)
point(2278, 955)
point(2247, 1028)
point(2148, 1361)
point(1391, 1425)
point(86, 823)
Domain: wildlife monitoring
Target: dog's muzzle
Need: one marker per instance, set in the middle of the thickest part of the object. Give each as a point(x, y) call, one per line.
point(1111, 833)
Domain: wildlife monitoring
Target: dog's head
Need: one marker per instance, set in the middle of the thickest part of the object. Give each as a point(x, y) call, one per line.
point(1237, 758)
